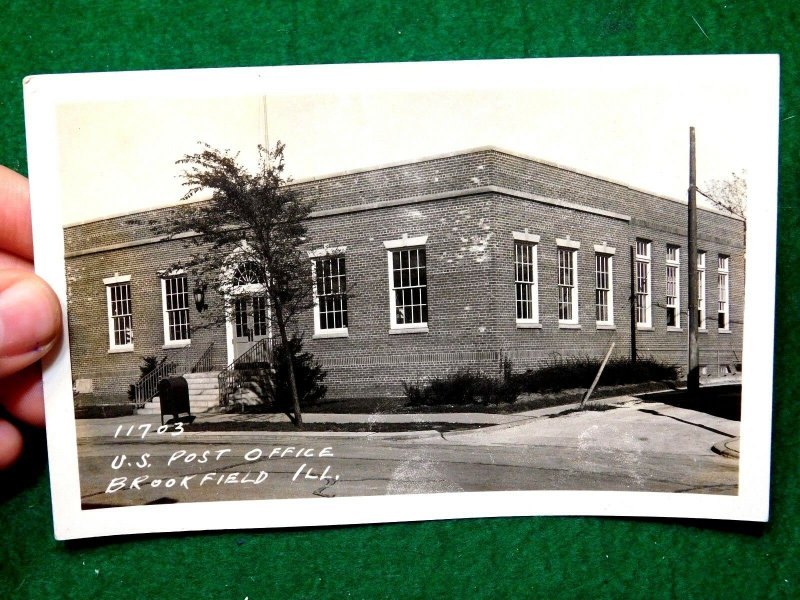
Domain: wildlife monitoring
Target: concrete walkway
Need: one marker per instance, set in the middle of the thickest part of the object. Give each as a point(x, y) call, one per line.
point(469, 418)
point(101, 427)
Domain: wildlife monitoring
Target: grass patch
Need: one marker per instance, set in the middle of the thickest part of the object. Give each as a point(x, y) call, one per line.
point(103, 411)
point(464, 387)
point(579, 372)
point(562, 381)
point(395, 406)
point(343, 406)
point(223, 426)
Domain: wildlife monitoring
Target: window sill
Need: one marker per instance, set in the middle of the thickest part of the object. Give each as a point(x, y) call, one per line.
point(676, 329)
point(644, 327)
point(178, 344)
point(527, 325)
point(569, 326)
point(702, 330)
point(120, 350)
point(608, 326)
point(422, 329)
point(727, 331)
point(324, 335)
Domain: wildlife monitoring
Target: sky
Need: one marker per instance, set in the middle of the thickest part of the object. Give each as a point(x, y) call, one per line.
point(627, 122)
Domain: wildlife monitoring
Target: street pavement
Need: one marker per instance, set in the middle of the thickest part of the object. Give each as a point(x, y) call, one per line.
point(632, 445)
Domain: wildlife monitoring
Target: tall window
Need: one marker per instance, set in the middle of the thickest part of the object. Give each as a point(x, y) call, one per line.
point(525, 280)
point(240, 317)
point(409, 287)
point(643, 294)
point(260, 316)
point(120, 314)
point(701, 290)
point(567, 286)
point(673, 299)
point(330, 294)
point(604, 298)
point(175, 303)
point(723, 313)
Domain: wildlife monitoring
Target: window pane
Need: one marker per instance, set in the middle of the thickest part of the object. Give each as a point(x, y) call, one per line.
point(409, 285)
point(566, 283)
point(176, 300)
point(643, 282)
point(120, 314)
point(331, 292)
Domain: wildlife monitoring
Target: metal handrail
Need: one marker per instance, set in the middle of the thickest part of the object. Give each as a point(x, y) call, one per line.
point(232, 376)
point(204, 363)
point(147, 387)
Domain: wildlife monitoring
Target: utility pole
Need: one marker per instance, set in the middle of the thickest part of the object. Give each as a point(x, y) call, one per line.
point(693, 374)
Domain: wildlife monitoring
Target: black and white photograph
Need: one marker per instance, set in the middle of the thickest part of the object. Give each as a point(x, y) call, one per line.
point(366, 293)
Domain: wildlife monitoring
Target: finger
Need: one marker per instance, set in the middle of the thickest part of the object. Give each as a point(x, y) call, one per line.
point(23, 397)
point(30, 320)
point(15, 214)
point(10, 444)
point(12, 261)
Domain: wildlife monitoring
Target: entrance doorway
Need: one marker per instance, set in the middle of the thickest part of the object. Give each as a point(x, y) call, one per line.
point(248, 310)
point(250, 323)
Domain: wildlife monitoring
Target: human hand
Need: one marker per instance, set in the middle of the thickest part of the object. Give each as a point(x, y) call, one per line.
point(30, 317)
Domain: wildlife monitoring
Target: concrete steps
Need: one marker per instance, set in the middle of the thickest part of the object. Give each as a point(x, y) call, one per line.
point(203, 391)
point(203, 394)
point(150, 408)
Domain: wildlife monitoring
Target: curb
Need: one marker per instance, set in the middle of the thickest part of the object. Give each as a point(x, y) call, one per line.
point(195, 436)
point(727, 448)
point(386, 435)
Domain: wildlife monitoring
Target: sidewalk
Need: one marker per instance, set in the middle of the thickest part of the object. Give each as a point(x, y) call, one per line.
point(486, 424)
point(88, 428)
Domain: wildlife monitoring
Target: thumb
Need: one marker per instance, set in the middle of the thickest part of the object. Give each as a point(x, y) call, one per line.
point(30, 319)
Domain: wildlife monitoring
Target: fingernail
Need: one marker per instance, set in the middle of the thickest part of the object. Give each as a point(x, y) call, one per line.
point(29, 318)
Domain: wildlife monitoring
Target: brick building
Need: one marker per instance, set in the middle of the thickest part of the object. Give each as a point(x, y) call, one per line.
point(453, 261)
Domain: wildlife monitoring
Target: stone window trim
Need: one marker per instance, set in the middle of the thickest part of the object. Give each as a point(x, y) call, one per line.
point(568, 243)
point(567, 253)
point(116, 279)
point(119, 313)
point(406, 244)
point(605, 249)
point(526, 279)
point(317, 255)
point(326, 251)
point(169, 330)
point(524, 236)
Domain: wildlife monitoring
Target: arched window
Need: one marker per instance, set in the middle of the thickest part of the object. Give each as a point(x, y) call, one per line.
point(248, 273)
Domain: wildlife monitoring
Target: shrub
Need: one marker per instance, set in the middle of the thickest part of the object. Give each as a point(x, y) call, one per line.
point(463, 387)
point(149, 364)
point(308, 373)
point(579, 372)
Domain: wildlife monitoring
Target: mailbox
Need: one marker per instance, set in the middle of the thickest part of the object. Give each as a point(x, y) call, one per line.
point(174, 395)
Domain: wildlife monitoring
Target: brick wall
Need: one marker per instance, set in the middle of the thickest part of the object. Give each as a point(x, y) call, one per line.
point(470, 274)
point(88, 317)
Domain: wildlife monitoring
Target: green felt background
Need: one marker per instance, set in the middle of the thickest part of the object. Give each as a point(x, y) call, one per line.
point(520, 557)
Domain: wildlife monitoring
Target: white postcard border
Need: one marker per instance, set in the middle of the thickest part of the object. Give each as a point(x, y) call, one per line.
point(44, 93)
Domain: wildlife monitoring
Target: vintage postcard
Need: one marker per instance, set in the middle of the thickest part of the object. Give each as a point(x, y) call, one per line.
point(389, 292)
